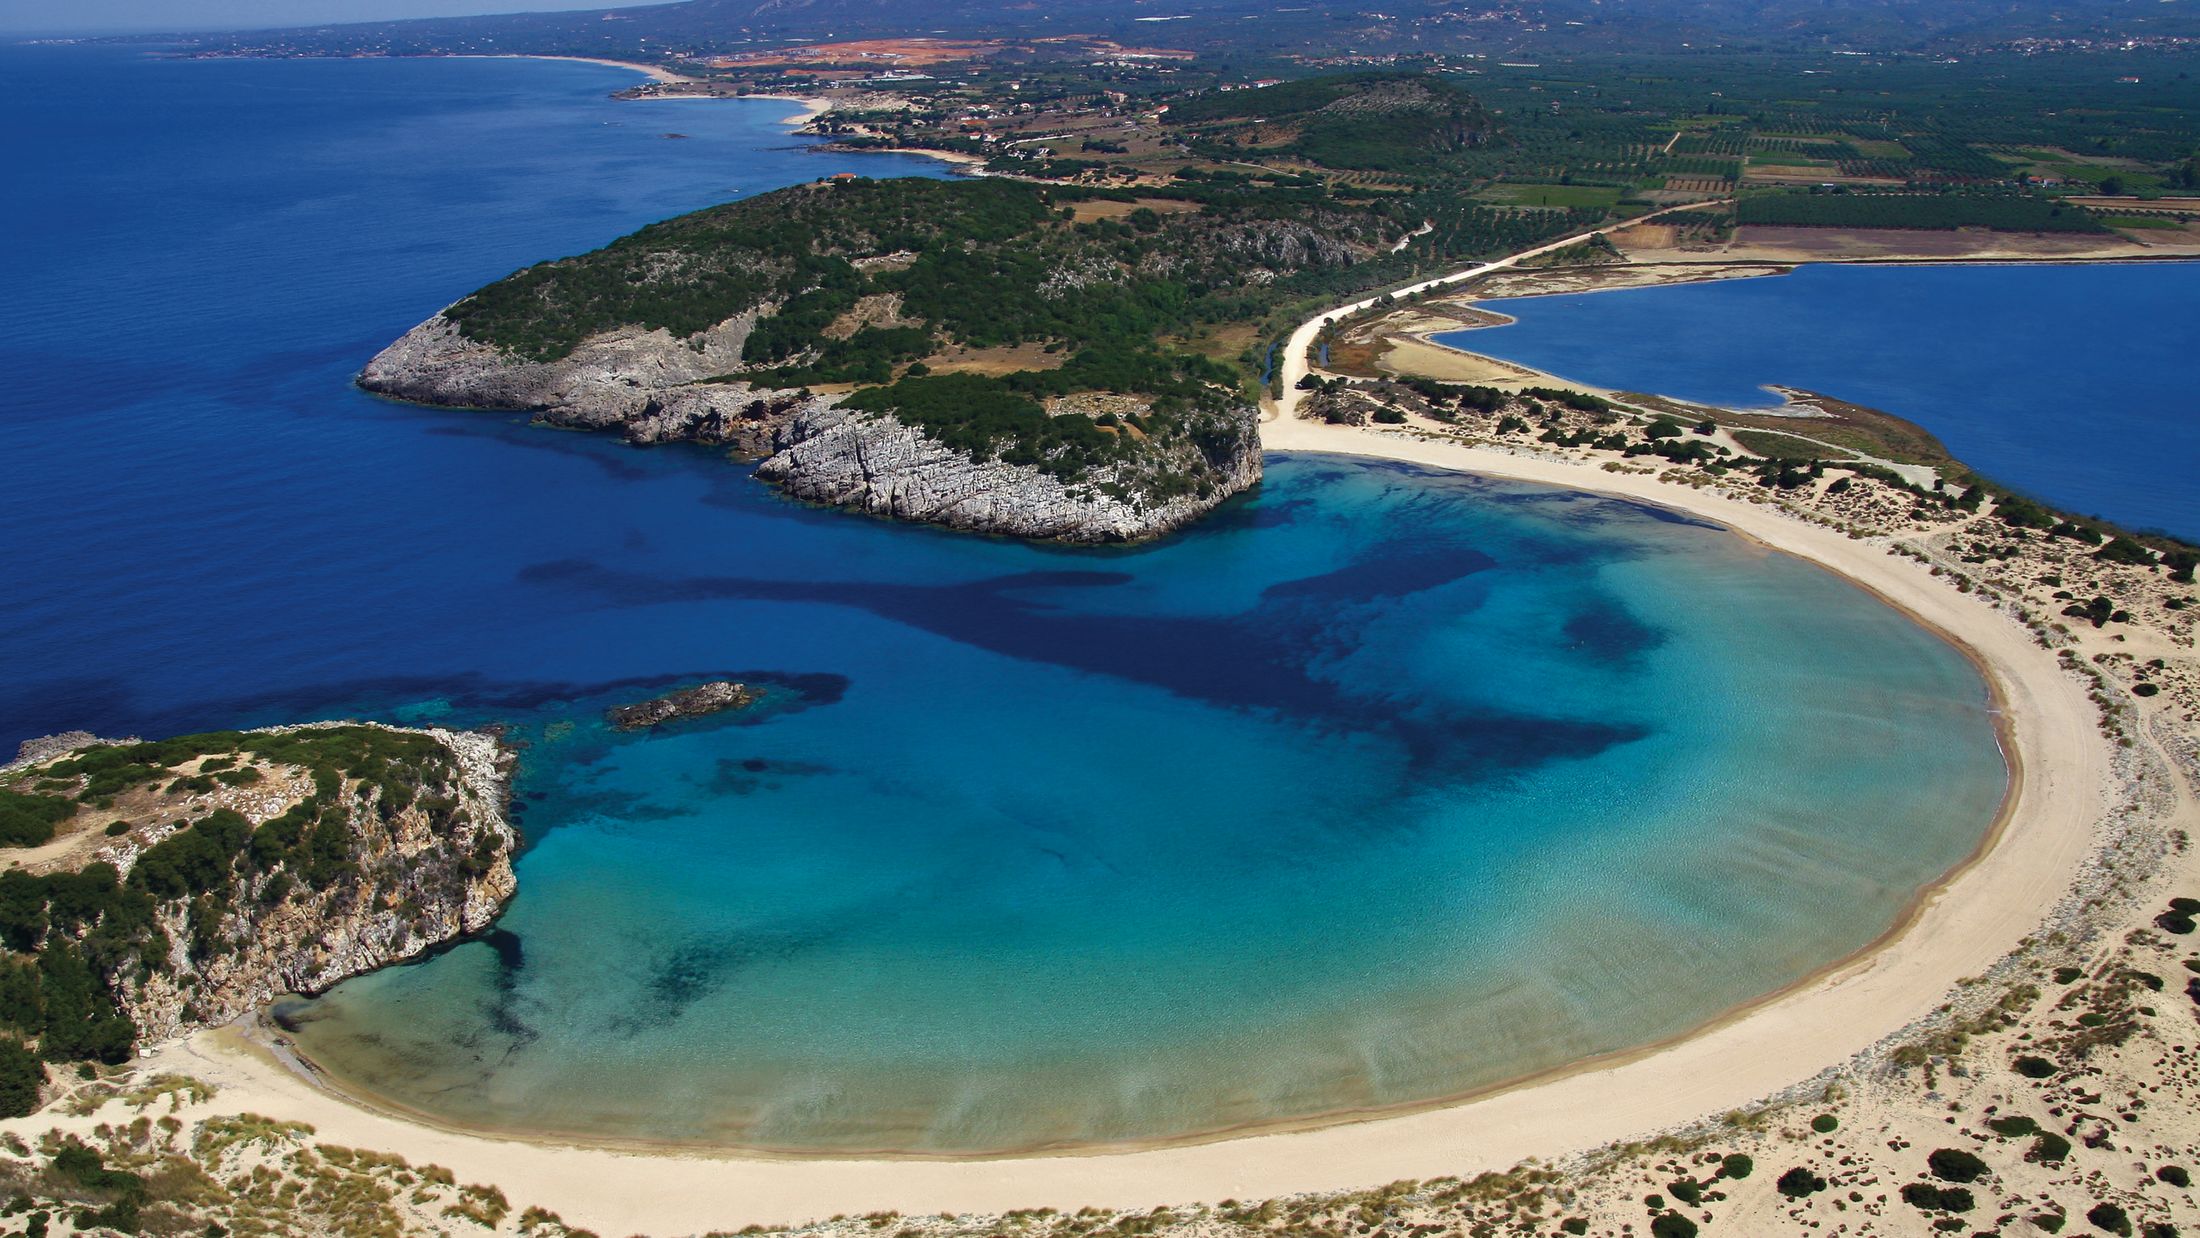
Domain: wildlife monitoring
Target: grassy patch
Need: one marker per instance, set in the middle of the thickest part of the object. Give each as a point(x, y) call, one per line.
point(1775, 446)
point(1926, 211)
point(2144, 223)
point(1602, 196)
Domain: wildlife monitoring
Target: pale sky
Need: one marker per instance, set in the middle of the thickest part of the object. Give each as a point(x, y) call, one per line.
point(95, 16)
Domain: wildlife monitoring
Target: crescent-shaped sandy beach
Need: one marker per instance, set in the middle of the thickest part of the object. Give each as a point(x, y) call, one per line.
point(2048, 828)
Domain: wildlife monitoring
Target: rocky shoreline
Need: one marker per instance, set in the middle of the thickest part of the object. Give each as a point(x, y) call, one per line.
point(651, 387)
point(338, 870)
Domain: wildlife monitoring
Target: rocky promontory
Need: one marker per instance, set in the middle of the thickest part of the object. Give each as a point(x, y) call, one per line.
point(962, 354)
point(185, 882)
point(650, 387)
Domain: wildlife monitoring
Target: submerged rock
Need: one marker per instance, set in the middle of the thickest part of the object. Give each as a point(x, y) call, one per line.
point(717, 696)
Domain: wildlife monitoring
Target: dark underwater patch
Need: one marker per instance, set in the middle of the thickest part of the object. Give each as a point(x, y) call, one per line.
point(1610, 633)
point(749, 775)
point(1394, 569)
point(106, 705)
point(502, 1008)
point(1260, 659)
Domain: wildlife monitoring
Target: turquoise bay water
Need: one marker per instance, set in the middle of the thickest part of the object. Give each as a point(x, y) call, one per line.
point(1379, 786)
point(1385, 786)
point(2069, 382)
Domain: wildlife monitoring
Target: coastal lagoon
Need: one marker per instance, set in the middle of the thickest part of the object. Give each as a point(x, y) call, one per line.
point(1378, 787)
point(2069, 382)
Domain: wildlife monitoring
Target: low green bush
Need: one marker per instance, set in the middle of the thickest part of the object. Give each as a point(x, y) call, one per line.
point(21, 1078)
point(1955, 1165)
point(2048, 1149)
point(2109, 1219)
point(28, 820)
point(1799, 1182)
point(1929, 1198)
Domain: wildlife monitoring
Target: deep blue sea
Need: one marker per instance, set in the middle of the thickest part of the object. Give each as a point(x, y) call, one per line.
point(1379, 786)
point(2070, 382)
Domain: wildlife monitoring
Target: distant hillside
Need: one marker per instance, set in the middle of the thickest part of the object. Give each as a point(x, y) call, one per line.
point(1241, 27)
point(1382, 122)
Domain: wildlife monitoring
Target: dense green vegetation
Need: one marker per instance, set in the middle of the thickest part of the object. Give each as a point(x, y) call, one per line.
point(1608, 120)
point(989, 419)
point(27, 819)
point(72, 937)
point(689, 273)
point(1382, 122)
point(1000, 418)
point(2001, 212)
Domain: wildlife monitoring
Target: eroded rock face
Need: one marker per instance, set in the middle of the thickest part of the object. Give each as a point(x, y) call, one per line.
point(876, 464)
point(425, 874)
point(632, 382)
point(643, 385)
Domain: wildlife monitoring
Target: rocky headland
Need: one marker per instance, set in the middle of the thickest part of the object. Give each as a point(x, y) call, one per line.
point(987, 355)
point(186, 882)
point(650, 387)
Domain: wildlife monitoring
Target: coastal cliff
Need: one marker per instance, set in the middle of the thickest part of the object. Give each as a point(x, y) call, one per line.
point(873, 463)
point(634, 382)
point(650, 387)
point(189, 881)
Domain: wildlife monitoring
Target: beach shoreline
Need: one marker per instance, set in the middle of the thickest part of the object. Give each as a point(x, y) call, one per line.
point(655, 73)
point(1961, 926)
point(961, 159)
point(809, 107)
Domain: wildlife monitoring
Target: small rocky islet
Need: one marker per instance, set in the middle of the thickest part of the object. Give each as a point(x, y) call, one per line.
point(700, 701)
